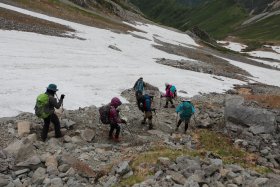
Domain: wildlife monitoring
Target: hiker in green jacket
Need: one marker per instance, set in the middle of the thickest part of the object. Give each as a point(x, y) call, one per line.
point(51, 91)
point(185, 111)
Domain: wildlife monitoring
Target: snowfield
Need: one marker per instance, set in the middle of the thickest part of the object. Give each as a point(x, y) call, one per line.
point(265, 54)
point(238, 47)
point(90, 73)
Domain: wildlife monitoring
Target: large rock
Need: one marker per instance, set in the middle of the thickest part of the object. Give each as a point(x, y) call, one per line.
point(4, 180)
point(23, 128)
point(87, 135)
point(257, 119)
point(123, 168)
point(39, 176)
point(30, 162)
point(21, 149)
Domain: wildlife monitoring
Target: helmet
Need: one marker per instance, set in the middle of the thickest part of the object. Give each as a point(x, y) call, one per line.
point(52, 87)
point(116, 102)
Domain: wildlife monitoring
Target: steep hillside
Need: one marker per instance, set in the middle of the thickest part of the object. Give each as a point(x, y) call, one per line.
point(220, 18)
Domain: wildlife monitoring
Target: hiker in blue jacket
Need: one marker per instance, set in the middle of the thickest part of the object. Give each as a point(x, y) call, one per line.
point(139, 90)
point(185, 111)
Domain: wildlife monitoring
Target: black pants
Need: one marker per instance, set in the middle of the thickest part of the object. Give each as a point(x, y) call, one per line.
point(186, 123)
point(169, 99)
point(54, 119)
point(138, 96)
point(112, 128)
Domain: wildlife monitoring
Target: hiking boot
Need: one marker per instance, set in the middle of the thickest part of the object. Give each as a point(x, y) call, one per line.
point(166, 106)
point(176, 129)
point(117, 139)
point(172, 106)
point(143, 122)
point(151, 127)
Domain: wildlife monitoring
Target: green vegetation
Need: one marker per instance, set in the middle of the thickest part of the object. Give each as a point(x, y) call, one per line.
point(219, 18)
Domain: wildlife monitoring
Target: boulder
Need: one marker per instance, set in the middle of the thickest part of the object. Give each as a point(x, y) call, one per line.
point(39, 176)
point(87, 134)
point(122, 168)
point(4, 180)
point(23, 128)
point(30, 162)
point(67, 123)
point(257, 119)
point(56, 182)
point(21, 149)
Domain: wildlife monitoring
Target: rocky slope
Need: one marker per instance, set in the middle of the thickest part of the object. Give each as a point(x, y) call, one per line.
point(232, 141)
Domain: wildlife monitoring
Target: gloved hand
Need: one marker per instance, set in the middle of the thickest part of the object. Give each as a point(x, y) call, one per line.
point(153, 109)
point(123, 121)
point(62, 96)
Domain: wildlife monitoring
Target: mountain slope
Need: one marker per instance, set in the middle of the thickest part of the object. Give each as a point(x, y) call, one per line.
point(220, 18)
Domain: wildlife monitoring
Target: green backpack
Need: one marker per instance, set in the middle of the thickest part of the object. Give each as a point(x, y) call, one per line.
point(42, 106)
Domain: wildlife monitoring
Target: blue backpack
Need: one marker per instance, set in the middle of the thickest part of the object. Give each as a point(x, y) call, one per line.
point(139, 86)
point(173, 89)
point(147, 102)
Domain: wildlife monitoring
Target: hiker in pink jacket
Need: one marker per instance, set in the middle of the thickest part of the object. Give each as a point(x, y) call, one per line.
point(115, 118)
point(170, 93)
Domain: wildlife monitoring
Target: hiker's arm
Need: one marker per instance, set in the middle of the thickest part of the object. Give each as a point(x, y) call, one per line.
point(193, 109)
point(114, 117)
point(54, 102)
point(135, 85)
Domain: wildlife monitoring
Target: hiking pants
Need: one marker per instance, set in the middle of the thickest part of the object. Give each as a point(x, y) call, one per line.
point(187, 120)
point(169, 99)
point(114, 126)
point(138, 97)
point(148, 115)
point(54, 119)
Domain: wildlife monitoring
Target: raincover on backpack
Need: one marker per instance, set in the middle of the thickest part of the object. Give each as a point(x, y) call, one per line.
point(173, 89)
point(104, 113)
point(42, 106)
point(139, 86)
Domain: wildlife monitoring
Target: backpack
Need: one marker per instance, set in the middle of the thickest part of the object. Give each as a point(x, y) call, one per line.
point(139, 86)
point(104, 113)
point(147, 102)
point(187, 109)
point(42, 106)
point(173, 91)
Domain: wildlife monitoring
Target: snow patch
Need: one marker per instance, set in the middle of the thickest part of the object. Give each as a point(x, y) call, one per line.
point(238, 47)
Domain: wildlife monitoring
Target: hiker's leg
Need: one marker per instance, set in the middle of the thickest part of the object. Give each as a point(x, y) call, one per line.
point(55, 121)
point(172, 104)
point(150, 119)
point(45, 130)
point(117, 131)
point(112, 128)
point(145, 117)
point(187, 124)
point(166, 102)
point(179, 123)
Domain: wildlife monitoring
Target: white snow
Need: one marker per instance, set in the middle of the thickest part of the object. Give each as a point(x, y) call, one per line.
point(234, 46)
point(263, 75)
point(87, 71)
point(265, 54)
point(273, 64)
point(276, 48)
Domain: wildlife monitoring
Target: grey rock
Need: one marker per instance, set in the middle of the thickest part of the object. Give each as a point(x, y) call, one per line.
point(21, 149)
point(260, 120)
point(260, 181)
point(67, 123)
point(164, 161)
point(114, 48)
point(232, 185)
point(210, 170)
point(111, 181)
point(122, 168)
point(19, 172)
point(39, 176)
point(63, 168)
point(56, 182)
point(87, 135)
point(17, 183)
point(4, 180)
point(191, 183)
point(32, 161)
point(238, 180)
point(70, 172)
point(177, 177)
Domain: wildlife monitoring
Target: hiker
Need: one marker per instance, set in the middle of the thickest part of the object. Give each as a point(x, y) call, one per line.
point(146, 107)
point(114, 119)
point(139, 89)
point(185, 111)
point(47, 110)
point(170, 94)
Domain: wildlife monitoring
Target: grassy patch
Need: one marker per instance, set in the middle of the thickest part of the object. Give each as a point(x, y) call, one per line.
point(269, 101)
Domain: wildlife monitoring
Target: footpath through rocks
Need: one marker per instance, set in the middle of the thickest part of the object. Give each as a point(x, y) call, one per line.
point(232, 140)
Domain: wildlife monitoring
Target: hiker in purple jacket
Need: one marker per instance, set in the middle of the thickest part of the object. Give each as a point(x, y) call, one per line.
point(115, 119)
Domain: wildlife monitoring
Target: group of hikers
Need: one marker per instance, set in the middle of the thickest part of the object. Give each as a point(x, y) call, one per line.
point(110, 114)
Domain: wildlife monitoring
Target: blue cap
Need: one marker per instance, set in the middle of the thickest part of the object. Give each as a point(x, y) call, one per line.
point(52, 87)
